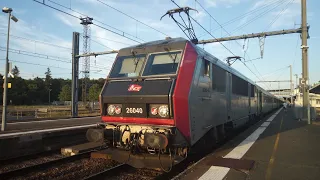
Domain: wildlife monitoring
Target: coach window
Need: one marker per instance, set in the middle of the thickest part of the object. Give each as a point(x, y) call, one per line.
point(206, 71)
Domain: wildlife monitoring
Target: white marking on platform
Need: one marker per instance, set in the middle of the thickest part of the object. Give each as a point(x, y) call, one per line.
point(217, 172)
point(265, 124)
point(52, 120)
point(46, 130)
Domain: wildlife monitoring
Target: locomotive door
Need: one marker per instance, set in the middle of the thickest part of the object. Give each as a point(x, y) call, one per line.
point(200, 99)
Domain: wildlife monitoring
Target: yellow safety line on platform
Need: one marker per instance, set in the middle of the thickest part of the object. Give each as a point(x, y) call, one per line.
point(272, 159)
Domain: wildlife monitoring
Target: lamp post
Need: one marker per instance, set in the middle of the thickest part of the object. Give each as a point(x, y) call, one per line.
point(5, 83)
point(49, 96)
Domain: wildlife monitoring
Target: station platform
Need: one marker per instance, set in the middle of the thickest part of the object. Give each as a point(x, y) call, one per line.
point(278, 147)
point(27, 127)
point(32, 137)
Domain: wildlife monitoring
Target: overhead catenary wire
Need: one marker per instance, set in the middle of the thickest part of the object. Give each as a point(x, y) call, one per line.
point(48, 57)
point(295, 53)
point(44, 65)
point(230, 34)
point(241, 16)
point(69, 8)
point(278, 15)
point(132, 17)
point(123, 33)
point(257, 17)
point(226, 32)
point(217, 22)
point(216, 38)
point(101, 44)
point(36, 41)
point(250, 12)
point(115, 32)
point(111, 40)
point(274, 72)
point(32, 54)
point(78, 12)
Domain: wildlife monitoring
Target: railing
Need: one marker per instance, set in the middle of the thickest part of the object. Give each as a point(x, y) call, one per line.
point(47, 112)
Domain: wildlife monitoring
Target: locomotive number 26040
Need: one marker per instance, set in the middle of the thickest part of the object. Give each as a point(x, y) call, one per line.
point(134, 110)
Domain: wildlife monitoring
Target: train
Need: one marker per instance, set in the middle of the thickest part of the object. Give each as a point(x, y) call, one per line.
point(162, 97)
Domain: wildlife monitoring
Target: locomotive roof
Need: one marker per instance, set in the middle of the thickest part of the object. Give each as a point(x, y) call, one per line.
point(179, 43)
point(170, 41)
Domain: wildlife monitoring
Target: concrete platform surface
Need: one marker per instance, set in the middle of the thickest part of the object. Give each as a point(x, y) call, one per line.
point(280, 147)
point(49, 124)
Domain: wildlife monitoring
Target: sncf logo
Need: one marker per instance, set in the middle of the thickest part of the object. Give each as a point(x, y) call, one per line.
point(134, 87)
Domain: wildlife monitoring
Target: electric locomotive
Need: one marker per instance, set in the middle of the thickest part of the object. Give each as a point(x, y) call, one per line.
point(160, 98)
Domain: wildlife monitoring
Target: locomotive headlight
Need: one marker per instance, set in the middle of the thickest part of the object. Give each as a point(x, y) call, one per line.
point(163, 111)
point(111, 109)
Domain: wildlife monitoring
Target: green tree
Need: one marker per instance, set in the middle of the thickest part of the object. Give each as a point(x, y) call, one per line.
point(48, 78)
point(94, 92)
point(65, 93)
point(15, 71)
point(47, 81)
point(48, 74)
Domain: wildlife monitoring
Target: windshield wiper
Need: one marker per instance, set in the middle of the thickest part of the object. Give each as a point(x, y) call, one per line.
point(170, 55)
point(135, 61)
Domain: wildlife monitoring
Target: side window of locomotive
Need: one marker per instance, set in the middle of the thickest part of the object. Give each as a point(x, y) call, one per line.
point(162, 63)
point(206, 66)
point(218, 78)
point(239, 86)
point(253, 90)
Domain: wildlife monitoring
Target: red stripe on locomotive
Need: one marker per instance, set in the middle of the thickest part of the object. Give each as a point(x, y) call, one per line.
point(155, 121)
point(182, 89)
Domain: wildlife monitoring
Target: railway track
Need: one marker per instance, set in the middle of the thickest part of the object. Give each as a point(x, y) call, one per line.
point(42, 166)
point(124, 171)
point(111, 171)
point(15, 160)
point(114, 171)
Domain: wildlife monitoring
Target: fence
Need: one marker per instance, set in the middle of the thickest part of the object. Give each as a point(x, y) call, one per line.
point(314, 112)
point(49, 112)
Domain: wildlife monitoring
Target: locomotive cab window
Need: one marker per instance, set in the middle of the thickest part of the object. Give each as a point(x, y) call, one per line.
point(219, 78)
point(162, 63)
point(127, 66)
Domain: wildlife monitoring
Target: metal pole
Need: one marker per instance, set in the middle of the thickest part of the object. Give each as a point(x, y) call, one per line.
point(291, 87)
point(75, 73)
point(5, 83)
point(296, 80)
point(304, 48)
point(279, 88)
point(253, 35)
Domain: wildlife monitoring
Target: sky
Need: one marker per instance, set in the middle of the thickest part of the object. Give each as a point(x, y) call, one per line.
point(42, 37)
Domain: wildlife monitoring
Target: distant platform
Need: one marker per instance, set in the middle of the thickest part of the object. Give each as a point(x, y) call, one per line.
point(27, 127)
point(280, 147)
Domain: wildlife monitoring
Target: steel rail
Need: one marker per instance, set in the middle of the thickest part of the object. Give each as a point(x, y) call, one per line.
point(43, 166)
point(113, 171)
